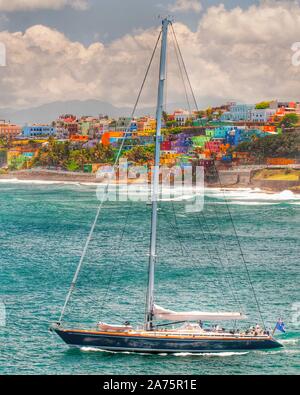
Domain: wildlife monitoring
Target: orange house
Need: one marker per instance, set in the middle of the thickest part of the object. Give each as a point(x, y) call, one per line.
point(77, 138)
point(281, 161)
point(269, 129)
point(111, 135)
point(9, 131)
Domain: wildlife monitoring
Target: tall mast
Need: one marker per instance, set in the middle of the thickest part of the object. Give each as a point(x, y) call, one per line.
point(155, 181)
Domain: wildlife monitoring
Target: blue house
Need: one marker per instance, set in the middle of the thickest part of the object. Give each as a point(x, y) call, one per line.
point(234, 137)
point(238, 112)
point(221, 132)
point(239, 135)
point(133, 126)
point(38, 131)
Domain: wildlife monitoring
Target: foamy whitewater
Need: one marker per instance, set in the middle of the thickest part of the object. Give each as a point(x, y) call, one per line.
point(141, 192)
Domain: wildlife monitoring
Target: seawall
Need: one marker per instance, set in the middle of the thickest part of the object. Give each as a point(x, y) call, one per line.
point(245, 178)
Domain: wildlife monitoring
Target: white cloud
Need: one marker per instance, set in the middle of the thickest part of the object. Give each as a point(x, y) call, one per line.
point(185, 5)
point(236, 54)
point(27, 5)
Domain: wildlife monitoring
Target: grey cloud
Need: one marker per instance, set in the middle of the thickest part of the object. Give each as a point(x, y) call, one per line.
point(236, 54)
point(185, 6)
point(27, 5)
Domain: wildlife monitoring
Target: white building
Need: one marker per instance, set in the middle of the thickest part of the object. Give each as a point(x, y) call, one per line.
point(241, 112)
point(238, 112)
point(262, 115)
point(226, 116)
point(181, 117)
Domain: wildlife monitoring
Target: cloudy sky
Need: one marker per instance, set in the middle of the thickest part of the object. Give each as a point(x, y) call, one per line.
point(98, 49)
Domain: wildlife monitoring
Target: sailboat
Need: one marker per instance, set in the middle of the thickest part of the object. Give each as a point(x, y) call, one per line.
point(187, 334)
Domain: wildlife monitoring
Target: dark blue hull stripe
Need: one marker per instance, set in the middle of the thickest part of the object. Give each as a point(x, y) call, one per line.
point(158, 345)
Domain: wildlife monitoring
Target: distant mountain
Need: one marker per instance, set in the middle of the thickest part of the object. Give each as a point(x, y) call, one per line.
point(49, 112)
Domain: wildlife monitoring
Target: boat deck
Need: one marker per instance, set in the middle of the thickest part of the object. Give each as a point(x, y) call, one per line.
point(175, 334)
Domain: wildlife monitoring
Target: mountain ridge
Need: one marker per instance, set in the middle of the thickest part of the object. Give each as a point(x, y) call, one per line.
point(49, 112)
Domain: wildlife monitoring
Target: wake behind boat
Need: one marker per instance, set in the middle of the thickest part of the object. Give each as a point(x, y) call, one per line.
point(188, 332)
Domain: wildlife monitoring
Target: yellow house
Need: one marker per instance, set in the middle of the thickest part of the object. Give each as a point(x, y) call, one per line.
point(146, 125)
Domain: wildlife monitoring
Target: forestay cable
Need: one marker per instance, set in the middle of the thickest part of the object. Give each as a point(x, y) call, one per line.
point(75, 278)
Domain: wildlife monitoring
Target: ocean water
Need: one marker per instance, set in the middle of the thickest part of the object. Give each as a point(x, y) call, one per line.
point(43, 230)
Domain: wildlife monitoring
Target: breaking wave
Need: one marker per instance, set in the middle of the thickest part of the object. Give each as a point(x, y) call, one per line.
point(212, 354)
point(179, 354)
point(253, 196)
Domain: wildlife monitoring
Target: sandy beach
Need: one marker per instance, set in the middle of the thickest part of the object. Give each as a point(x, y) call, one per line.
point(52, 176)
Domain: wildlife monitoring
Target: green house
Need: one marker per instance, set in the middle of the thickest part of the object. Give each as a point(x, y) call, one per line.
point(200, 141)
point(88, 168)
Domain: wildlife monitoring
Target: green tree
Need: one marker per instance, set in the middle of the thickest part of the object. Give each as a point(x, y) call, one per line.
point(189, 122)
point(262, 105)
point(140, 155)
point(289, 120)
point(5, 142)
point(72, 165)
point(171, 124)
point(72, 156)
point(165, 116)
point(220, 113)
point(102, 154)
point(201, 114)
point(209, 113)
point(285, 145)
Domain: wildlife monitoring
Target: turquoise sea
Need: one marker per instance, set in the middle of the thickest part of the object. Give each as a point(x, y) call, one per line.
point(43, 231)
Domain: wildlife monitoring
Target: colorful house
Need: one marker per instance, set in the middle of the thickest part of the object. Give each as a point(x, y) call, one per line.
point(234, 137)
point(200, 141)
point(146, 125)
point(214, 146)
point(181, 116)
point(20, 158)
point(262, 115)
point(238, 112)
point(69, 123)
point(221, 132)
point(38, 131)
point(109, 138)
point(79, 139)
point(9, 131)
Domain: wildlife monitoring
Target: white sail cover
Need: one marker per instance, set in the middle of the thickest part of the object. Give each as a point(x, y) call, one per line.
point(169, 315)
point(114, 328)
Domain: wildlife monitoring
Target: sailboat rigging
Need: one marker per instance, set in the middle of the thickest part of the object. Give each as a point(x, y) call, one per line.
point(189, 337)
